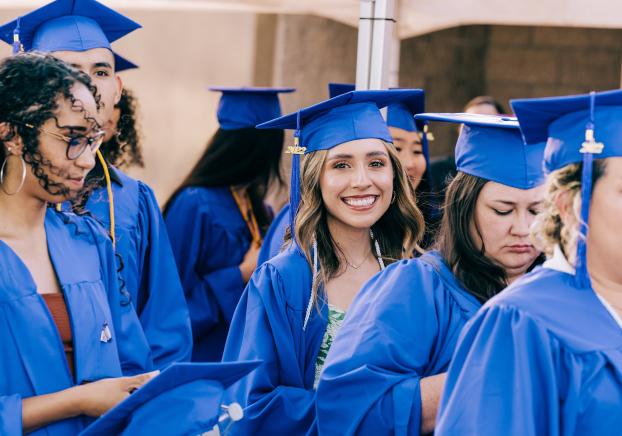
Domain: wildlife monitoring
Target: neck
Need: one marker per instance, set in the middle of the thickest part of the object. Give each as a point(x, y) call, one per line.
point(353, 242)
point(607, 284)
point(20, 214)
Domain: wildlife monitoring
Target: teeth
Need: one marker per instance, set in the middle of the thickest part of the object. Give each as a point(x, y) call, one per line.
point(360, 202)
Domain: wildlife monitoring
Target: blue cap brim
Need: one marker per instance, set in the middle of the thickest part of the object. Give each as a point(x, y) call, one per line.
point(335, 89)
point(537, 114)
point(501, 121)
point(250, 90)
point(113, 24)
point(172, 377)
point(122, 64)
point(380, 98)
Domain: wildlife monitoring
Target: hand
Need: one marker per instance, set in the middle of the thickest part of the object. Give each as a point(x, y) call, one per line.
point(249, 263)
point(98, 397)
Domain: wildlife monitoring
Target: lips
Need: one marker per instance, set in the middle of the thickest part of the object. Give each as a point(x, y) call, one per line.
point(520, 248)
point(360, 202)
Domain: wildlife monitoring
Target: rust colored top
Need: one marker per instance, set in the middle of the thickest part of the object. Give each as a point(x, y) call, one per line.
point(58, 310)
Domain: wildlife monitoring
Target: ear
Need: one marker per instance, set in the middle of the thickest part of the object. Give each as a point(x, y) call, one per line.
point(119, 89)
point(12, 142)
point(564, 205)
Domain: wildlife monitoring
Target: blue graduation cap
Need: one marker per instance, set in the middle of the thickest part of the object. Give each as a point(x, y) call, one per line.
point(122, 64)
point(67, 25)
point(346, 117)
point(246, 107)
point(577, 128)
point(491, 147)
point(335, 89)
point(184, 399)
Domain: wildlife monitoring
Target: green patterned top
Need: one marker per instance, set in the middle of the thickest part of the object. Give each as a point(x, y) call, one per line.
point(335, 319)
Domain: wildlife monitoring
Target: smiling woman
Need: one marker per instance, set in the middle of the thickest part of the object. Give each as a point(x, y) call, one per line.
point(356, 215)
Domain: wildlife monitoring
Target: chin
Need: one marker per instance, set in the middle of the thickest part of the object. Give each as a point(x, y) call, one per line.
point(519, 261)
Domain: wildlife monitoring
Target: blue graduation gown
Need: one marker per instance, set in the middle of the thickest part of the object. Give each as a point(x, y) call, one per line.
point(278, 397)
point(402, 326)
point(32, 358)
point(149, 269)
point(273, 241)
point(209, 238)
point(541, 358)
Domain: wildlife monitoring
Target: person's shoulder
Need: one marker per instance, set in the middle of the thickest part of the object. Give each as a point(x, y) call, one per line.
point(289, 274)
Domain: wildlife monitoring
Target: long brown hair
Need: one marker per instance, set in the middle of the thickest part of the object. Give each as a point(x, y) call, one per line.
point(242, 157)
point(468, 262)
point(397, 232)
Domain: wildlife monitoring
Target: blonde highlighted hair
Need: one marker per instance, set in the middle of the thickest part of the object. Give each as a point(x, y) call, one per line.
point(563, 191)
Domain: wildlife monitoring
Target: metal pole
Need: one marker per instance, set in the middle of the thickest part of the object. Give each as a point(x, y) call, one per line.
point(375, 40)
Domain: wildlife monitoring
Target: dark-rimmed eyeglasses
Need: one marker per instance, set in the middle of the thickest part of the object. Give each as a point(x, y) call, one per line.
point(76, 144)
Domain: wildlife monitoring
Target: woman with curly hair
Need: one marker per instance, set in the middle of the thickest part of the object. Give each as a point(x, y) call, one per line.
point(545, 356)
point(68, 333)
point(357, 214)
point(125, 206)
point(391, 356)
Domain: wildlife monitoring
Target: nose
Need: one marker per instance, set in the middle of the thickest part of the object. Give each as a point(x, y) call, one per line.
point(521, 225)
point(360, 178)
point(86, 160)
point(408, 162)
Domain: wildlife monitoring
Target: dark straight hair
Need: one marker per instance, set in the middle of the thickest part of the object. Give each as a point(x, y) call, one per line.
point(242, 157)
point(477, 273)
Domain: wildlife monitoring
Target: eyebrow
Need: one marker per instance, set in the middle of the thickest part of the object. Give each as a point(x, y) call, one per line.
point(513, 203)
point(78, 128)
point(103, 65)
point(350, 156)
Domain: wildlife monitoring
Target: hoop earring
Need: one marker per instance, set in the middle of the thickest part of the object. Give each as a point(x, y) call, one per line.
point(21, 184)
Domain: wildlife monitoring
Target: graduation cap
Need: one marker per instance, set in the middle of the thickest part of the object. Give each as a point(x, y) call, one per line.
point(184, 399)
point(67, 25)
point(245, 107)
point(122, 64)
point(577, 128)
point(346, 117)
point(335, 89)
point(491, 147)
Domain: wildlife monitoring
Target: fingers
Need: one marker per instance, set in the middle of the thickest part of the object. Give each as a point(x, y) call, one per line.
point(137, 381)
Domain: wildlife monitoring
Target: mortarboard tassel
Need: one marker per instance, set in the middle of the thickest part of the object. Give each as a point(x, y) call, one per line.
point(17, 45)
point(294, 190)
point(589, 148)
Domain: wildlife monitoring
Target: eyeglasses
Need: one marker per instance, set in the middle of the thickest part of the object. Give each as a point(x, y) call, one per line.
point(75, 144)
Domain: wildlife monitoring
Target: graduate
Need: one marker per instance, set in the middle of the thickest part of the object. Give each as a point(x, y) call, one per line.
point(218, 216)
point(356, 213)
point(79, 32)
point(545, 356)
point(411, 143)
point(68, 330)
point(386, 368)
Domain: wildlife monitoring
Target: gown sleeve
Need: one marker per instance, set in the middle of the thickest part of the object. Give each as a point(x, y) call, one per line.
point(274, 396)
point(502, 379)
point(162, 310)
point(212, 295)
point(370, 383)
point(10, 415)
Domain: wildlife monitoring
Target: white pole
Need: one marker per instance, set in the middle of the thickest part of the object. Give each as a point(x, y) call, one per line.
point(375, 43)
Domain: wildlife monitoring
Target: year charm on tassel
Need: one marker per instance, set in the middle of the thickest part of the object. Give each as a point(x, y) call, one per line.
point(296, 148)
point(590, 145)
point(106, 335)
